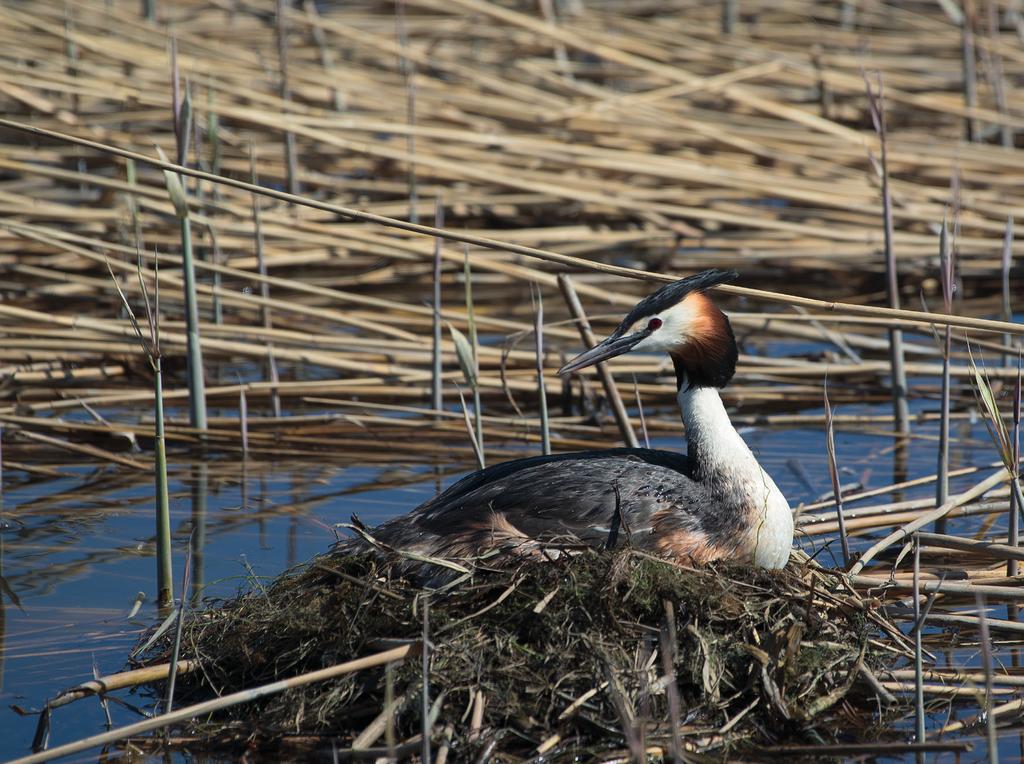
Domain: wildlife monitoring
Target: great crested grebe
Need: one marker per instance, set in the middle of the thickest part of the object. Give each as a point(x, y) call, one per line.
point(714, 503)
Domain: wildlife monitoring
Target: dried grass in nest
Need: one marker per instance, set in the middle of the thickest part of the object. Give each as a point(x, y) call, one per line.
point(754, 665)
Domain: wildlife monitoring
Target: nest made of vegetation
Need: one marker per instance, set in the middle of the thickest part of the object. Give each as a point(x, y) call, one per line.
point(759, 658)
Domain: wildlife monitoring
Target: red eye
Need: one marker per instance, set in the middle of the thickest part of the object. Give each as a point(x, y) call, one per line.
point(654, 323)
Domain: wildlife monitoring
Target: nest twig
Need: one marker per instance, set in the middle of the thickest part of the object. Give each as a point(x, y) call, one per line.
point(563, 654)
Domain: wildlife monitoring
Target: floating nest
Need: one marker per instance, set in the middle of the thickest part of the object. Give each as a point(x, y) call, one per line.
point(598, 655)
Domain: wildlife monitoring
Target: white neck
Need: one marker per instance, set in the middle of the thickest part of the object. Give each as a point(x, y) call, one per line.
point(725, 463)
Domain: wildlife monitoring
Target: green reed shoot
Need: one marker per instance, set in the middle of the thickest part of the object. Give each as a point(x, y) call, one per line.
point(151, 348)
point(181, 111)
point(196, 383)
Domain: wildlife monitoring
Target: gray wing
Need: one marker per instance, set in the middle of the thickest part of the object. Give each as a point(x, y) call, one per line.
point(596, 497)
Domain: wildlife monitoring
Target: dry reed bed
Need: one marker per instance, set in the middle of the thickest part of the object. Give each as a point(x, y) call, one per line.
point(635, 136)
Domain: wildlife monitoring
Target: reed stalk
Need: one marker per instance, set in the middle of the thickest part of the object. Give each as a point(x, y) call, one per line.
point(1006, 263)
point(200, 495)
point(436, 388)
point(226, 701)
point(572, 300)
point(478, 451)
point(213, 137)
point(71, 54)
point(640, 413)
point(561, 55)
point(425, 691)
point(667, 642)
point(261, 265)
point(131, 175)
point(833, 471)
point(826, 98)
point(408, 69)
point(947, 272)
point(291, 159)
point(176, 191)
point(994, 71)
point(390, 736)
point(952, 11)
point(152, 350)
point(968, 60)
point(901, 408)
point(165, 575)
point(172, 672)
point(326, 55)
point(1017, 496)
point(986, 663)
point(730, 15)
point(474, 347)
point(243, 420)
point(919, 717)
point(464, 354)
point(542, 395)
point(181, 109)
point(216, 258)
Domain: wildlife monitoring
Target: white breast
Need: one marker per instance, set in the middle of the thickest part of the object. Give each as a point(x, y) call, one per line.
point(726, 458)
point(771, 536)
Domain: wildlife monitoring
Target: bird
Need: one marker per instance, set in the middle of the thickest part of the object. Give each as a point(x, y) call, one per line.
point(715, 502)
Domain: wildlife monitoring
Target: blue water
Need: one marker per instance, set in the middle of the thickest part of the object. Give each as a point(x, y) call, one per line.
point(77, 550)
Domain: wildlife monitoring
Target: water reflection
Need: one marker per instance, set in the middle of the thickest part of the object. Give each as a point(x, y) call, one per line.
point(4, 595)
point(200, 488)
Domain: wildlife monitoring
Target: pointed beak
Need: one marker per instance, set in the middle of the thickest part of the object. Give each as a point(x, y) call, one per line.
point(609, 348)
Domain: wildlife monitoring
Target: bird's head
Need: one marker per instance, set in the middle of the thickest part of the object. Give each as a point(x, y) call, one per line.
point(681, 320)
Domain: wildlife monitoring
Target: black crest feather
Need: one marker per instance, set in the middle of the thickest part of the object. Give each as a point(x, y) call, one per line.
point(672, 294)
